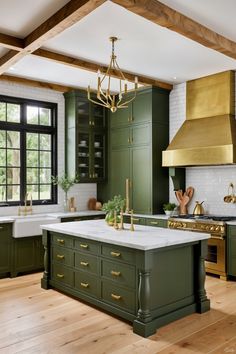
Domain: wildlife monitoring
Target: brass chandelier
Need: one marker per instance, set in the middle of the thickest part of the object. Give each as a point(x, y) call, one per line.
point(107, 98)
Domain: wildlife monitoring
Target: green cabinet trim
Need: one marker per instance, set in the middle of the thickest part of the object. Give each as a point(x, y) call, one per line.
point(149, 288)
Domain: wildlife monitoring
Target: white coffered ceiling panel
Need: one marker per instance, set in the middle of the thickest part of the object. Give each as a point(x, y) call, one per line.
point(143, 48)
point(20, 17)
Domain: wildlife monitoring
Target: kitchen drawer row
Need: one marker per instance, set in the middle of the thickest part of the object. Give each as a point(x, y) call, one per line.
point(102, 271)
point(146, 221)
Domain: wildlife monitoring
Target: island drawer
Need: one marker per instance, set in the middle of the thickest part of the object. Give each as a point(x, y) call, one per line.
point(62, 274)
point(118, 272)
point(87, 283)
point(86, 262)
point(87, 246)
point(118, 253)
point(118, 297)
point(156, 222)
point(62, 240)
point(63, 255)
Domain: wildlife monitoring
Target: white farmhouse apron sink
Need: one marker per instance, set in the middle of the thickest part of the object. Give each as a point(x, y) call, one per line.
point(29, 225)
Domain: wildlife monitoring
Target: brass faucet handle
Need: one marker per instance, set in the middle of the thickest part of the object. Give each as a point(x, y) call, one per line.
point(132, 221)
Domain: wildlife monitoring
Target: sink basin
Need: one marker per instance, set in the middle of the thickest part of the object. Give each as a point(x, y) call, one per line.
point(29, 225)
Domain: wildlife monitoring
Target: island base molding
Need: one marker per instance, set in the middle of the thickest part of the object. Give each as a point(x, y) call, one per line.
point(149, 288)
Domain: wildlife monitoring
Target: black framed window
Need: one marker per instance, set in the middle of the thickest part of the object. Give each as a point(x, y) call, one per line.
point(28, 135)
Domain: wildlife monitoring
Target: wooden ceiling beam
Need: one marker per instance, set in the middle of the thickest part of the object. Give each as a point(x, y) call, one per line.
point(91, 66)
point(36, 83)
point(11, 42)
point(71, 13)
point(165, 16)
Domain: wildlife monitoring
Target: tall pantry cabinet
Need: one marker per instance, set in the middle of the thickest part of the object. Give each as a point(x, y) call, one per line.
point(137, 136)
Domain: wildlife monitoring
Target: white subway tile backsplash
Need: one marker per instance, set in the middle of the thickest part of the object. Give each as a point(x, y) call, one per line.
point(82, 192)
point(210, 183)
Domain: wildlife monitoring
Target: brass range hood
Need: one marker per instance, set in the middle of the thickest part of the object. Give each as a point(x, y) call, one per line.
point(208, 135)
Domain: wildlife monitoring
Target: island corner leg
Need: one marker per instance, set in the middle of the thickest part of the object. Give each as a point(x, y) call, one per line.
point(143, 324)
point(203, 303)
point(45, 278)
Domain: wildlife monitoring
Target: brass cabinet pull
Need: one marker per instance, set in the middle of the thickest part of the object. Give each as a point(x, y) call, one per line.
point(60, 240)
point(115, 254)
point(116, 297)
point(136, 219)
point(154, 222)
point(128, 140)
point(116, 274)
point(84, 285)
point(85, 264)
point(1, 227)
point(82, 245)
point(60, 275)
point(90, 175)
point(60, 256)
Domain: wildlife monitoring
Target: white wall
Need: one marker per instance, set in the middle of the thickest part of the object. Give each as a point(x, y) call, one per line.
point(210, 183)
point(82, 192)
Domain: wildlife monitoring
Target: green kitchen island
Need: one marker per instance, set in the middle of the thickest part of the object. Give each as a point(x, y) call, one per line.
point(150, 276)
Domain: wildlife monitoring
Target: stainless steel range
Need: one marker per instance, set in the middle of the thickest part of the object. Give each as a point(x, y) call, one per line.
point(216, 226)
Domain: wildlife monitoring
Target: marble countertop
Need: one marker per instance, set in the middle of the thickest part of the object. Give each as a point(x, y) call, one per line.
point(6, 219)
point(143, 238)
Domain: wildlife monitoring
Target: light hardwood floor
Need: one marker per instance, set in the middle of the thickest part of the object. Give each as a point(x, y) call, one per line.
point(33, 320)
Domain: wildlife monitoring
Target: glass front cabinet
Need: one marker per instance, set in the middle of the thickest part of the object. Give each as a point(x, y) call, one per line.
point(86, 138)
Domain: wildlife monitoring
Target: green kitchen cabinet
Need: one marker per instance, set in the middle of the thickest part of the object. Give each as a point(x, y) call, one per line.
point(81, 218)
point(231, 250)
point(138, 135)
point(28, 253)
point(5, 248)
point(86, 138)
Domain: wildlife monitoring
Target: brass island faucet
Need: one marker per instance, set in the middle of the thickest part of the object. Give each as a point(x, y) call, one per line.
point(26, 209)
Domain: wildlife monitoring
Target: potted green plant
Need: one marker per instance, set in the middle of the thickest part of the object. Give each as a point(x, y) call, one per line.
point(169, 208)
point(65, 183)
point(116, 204)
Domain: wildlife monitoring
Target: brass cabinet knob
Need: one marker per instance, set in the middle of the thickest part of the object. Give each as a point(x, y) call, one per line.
point(116, 274)
point(84, 285)
point(115, 254)
point(85, 264)
point(116, 297)
point(60, 256)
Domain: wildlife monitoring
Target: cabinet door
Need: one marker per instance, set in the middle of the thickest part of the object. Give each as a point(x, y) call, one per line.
point(142, 108)
point(83, 112)
point(24, 255)
point(98, 116)
point(28, 254)
point(141, 134)
point(5, 247)
point(83, 154)
point(121, 117)
point(141, 180)
point(98, 156)
point(231, 250)
point(121, 138)
point(120, 170)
